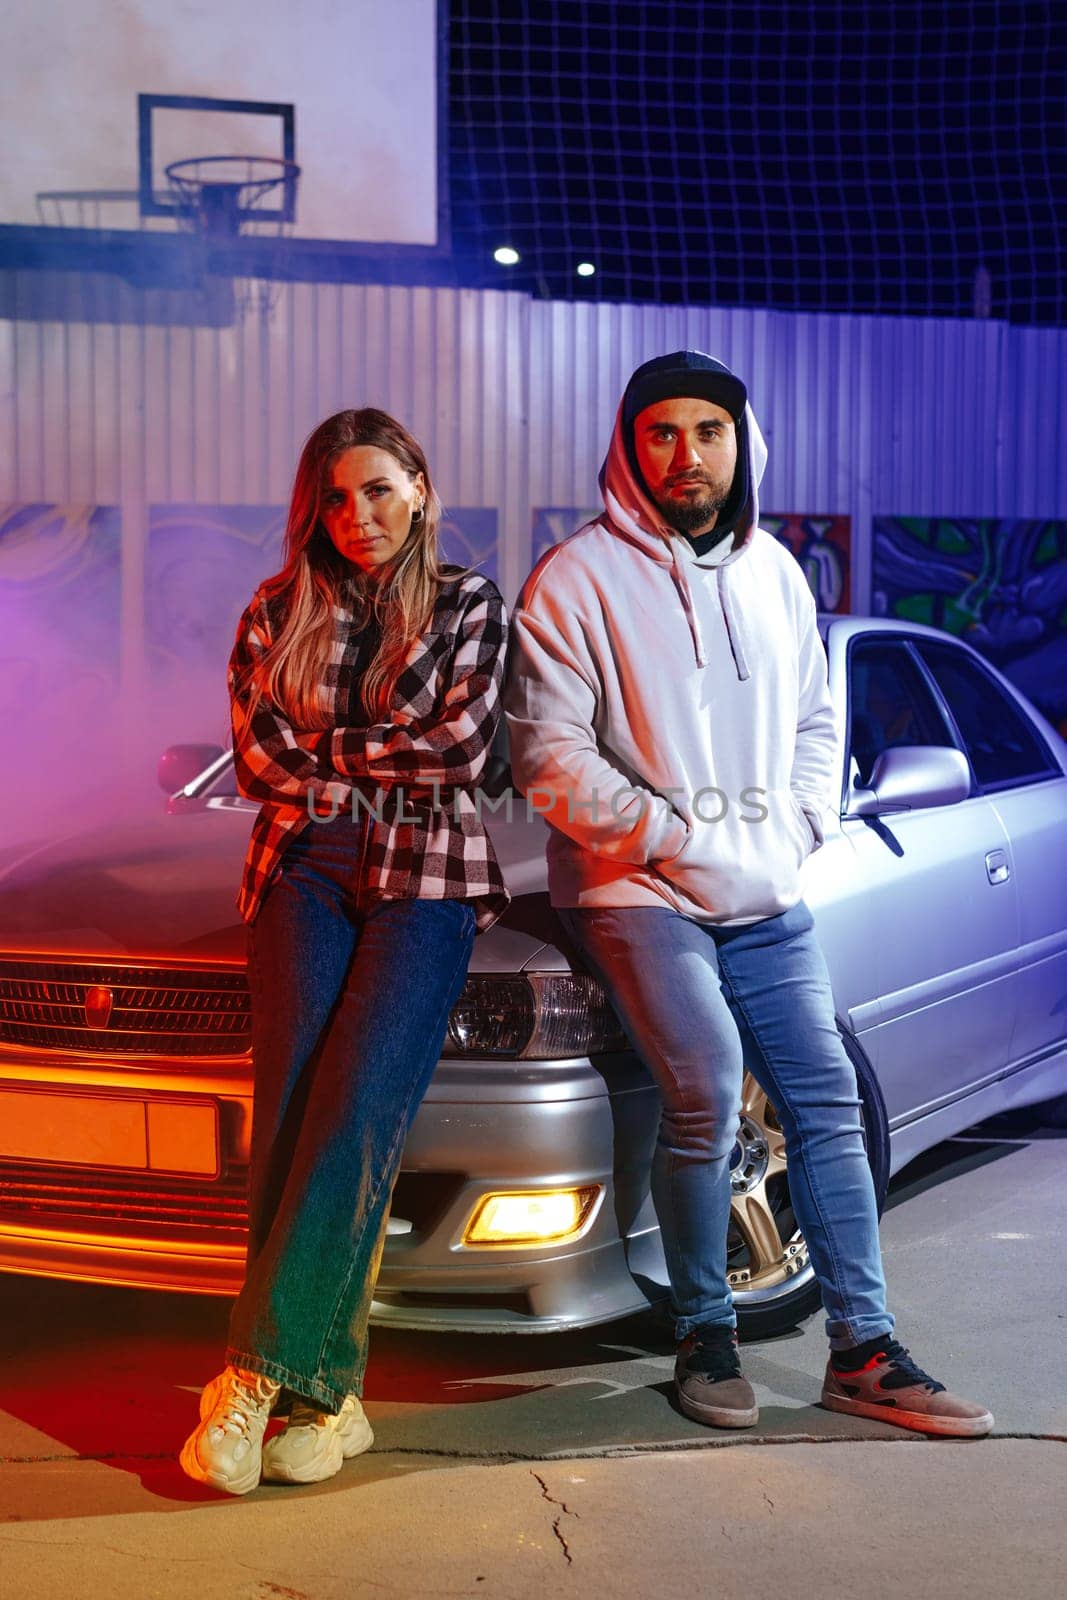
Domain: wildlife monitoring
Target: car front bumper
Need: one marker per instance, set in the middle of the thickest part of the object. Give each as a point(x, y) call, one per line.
point(483, 1126)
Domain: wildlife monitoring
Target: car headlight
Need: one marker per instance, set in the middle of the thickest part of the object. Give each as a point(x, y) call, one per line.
point(542, 1015)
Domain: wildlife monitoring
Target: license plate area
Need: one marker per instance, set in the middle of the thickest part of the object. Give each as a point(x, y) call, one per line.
point(111, 1131)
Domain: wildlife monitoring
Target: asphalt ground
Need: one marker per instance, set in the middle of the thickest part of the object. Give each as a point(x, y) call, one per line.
point(537, 1465)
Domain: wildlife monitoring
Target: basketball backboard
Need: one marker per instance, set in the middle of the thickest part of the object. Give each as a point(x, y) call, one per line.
point(353, 95)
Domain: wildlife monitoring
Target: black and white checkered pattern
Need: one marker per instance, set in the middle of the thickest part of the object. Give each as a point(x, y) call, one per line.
point(416, 773)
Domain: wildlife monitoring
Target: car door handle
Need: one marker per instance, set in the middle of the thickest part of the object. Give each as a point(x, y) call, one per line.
point(996, 866)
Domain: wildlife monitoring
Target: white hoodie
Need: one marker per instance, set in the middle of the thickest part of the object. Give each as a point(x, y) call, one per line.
point(640, 674)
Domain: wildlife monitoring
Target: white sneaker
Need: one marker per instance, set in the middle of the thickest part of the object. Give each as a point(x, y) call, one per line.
point(314, 1443)
point(225, 1451)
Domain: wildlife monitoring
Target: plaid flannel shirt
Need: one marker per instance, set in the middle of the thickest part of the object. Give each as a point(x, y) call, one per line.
point(423, 764)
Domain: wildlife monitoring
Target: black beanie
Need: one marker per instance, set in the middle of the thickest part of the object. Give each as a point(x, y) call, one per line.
point(686, 372)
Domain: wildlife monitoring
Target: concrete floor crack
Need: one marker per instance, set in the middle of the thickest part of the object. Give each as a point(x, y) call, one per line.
point(565, 1511)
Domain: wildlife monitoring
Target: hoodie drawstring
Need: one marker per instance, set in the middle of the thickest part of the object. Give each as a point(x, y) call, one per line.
point(734, 630)
point(681, 583)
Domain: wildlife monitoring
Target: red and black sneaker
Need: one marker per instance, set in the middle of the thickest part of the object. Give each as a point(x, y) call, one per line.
point(890, 1387)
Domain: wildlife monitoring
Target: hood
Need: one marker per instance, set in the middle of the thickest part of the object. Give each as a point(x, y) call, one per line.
point(631, 514)
point(162, 886)
point(150, 884)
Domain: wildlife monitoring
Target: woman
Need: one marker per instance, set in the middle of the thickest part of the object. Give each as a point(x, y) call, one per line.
point(365, 687)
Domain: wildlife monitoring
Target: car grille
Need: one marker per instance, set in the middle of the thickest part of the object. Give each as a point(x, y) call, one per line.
point(166, 1011)
point(146, 1203)
point(142, 1204)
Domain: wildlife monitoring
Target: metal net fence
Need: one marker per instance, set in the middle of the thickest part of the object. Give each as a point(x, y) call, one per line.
point(838, 155)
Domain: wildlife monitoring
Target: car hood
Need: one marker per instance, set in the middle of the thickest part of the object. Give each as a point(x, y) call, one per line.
point(164, 886)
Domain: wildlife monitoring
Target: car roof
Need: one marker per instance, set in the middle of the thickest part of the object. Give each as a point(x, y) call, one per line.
point(850, 625)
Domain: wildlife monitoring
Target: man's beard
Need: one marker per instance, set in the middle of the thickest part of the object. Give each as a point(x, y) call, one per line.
point(689, 515)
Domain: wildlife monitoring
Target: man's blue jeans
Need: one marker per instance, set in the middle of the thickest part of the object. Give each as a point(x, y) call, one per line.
point(349, 1013)
point(699, 1003)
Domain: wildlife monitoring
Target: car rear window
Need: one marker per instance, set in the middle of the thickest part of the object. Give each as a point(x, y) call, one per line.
point(1004, 746)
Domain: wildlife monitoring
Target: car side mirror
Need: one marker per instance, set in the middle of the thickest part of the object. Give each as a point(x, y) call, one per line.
point(910, 776)
point(181, 763)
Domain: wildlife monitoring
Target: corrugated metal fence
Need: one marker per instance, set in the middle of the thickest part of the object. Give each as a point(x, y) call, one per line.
point(514, 401)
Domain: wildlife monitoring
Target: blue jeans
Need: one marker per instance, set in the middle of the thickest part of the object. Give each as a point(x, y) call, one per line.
point(699, 1003)
point(349, 1013)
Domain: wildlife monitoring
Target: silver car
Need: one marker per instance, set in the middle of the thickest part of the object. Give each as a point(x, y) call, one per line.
point(523, 1202)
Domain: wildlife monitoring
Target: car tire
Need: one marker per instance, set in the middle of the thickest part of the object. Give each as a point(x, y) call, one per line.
point(777, 1313)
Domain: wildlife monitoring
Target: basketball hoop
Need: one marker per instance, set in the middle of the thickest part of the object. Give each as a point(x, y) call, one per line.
point(227, 197)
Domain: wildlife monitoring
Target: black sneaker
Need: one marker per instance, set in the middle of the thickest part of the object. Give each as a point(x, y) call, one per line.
point(880, 1380)
point(708, 1380)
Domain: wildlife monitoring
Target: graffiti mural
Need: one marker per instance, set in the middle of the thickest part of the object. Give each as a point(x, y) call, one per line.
point(60, 608)
point(202, 566)
point(551, 524)
point(822, 545)
point(59, 600)
point(467, 537)
point(999, 583)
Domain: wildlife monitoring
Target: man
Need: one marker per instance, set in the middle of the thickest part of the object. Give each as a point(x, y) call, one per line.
point(667, 697)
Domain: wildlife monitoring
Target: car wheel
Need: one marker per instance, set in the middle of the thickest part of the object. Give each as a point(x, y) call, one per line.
point(768, 1266)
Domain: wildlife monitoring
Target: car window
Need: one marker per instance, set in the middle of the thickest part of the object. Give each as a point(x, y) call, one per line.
point(890, 704)
point(1003, 745)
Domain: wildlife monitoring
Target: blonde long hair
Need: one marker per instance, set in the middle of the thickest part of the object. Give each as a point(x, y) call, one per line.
point(315, 577)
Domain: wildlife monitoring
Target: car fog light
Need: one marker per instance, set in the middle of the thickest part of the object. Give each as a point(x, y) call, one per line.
point(542, 1216)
